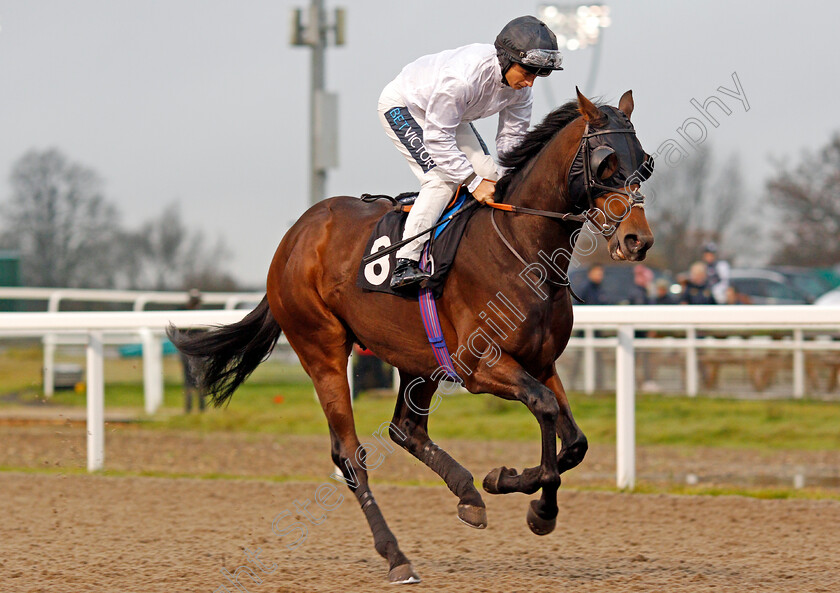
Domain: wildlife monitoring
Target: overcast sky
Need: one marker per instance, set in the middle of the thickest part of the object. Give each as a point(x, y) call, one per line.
point(204, 102)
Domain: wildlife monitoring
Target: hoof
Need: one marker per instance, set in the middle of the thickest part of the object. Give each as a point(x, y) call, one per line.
point(403, 575)
point(536, 523)
point(491, 480)
point(472, 515)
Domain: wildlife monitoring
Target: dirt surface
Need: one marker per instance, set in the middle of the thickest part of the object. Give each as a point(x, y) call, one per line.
point(69, 532)
point(133, 449)
point(94, 533)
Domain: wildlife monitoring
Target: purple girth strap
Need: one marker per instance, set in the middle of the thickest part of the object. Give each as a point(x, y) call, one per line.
point(431, 323)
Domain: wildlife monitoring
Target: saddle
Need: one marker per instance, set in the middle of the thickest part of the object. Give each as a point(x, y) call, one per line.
point(438, 254)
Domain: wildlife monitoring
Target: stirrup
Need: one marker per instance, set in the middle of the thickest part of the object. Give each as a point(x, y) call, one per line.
point(407, 273)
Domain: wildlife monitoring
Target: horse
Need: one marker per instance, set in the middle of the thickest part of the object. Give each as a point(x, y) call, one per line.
point(312, 296)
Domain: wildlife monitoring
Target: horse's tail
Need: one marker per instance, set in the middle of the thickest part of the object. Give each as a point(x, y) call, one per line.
point(223, 357)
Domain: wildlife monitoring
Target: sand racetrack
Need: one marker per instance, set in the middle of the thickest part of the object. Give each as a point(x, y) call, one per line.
point(95, 533)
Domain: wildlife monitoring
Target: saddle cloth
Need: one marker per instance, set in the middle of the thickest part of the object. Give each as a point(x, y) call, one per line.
point(376, 276)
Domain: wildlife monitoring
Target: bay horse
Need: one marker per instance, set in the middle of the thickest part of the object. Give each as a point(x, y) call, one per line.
point(312, 296)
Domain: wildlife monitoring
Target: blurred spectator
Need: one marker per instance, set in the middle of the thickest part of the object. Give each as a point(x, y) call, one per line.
point(591, 290)
point(662, 293)
point(639, 293)
point(697, 290)
point(717, 272)
point(592, 294)
point(191, 389)
point(661, 296)
point(733, 297)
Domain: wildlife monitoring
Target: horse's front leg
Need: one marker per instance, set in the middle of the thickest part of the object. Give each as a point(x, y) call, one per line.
point(508, 380)
point(542, 514)
point(572, 439)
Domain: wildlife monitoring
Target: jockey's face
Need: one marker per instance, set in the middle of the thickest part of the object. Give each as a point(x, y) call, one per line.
point(519, 78)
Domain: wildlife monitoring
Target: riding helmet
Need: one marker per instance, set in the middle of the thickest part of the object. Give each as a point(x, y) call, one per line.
point(521, 42)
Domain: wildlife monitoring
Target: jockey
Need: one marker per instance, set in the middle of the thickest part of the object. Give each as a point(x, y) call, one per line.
point(427, 112)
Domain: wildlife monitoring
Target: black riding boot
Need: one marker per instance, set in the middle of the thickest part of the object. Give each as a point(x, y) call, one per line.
point(407, 273)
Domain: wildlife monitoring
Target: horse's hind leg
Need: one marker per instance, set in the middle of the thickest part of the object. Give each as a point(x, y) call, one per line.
point(328, 370)
point(410, 430)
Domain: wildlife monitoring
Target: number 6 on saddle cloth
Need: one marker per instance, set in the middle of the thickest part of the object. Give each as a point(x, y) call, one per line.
point(440, 251)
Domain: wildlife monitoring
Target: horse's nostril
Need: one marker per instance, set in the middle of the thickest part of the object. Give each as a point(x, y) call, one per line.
point(632, 243)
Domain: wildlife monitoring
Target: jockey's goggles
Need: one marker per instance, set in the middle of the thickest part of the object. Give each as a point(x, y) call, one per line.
point(541, 61)
point(537, 71)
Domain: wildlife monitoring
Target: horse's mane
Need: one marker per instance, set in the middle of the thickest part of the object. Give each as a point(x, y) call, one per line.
point(533, 141)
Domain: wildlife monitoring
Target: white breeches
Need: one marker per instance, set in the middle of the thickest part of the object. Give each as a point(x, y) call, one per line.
point(436, 189)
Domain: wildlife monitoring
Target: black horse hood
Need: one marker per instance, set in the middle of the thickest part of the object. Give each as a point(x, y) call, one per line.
point(616, 135)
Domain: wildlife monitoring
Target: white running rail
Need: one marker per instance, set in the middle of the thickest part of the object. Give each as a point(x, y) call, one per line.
point(623, 320)
point(138, 300)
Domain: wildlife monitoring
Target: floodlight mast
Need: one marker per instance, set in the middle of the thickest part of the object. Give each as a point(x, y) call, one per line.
point(578, 27)
point(323, 106)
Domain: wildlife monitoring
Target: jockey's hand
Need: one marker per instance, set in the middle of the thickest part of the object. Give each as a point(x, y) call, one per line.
point(484, 192)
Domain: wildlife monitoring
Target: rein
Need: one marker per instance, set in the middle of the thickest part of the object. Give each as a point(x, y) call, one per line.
point(636, 200)
point(566, 217)
point(513, 250)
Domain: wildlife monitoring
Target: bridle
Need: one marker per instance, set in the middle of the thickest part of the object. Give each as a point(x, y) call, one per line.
point(592, 187)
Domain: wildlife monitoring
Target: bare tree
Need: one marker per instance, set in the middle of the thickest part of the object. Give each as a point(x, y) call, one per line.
point(807, 197)
point(69, 235)
point(129, 255)
point(692, 204)
point(60, 222)
point(166, 255)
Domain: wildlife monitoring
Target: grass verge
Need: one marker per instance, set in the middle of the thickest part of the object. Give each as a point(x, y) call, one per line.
point(279, 399)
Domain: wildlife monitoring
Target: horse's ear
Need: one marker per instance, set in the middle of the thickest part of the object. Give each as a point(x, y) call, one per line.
point(587, 108)
point(625, 104)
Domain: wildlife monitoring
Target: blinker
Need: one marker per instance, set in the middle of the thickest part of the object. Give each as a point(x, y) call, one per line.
point(613, 136)
point(598, 160)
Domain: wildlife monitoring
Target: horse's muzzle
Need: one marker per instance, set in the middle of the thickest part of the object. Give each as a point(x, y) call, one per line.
point(630, 247)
